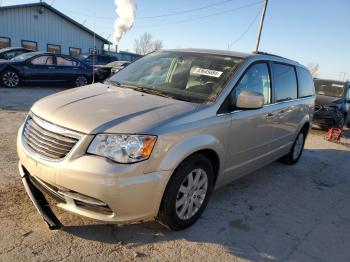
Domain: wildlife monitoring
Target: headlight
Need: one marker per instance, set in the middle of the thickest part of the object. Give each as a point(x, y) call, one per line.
point(123, 148)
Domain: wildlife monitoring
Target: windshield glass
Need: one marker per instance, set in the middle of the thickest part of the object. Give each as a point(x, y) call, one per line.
point(23, 57)
point(186, 76)
point(329, 88)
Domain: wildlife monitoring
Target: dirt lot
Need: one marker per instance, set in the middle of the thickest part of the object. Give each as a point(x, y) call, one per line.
point(279, 213)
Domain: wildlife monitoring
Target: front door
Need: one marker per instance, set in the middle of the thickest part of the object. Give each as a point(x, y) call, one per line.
point(40, 69)
point(251, 131)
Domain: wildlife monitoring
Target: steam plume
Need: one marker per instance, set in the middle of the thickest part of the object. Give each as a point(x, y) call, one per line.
point(126, 10)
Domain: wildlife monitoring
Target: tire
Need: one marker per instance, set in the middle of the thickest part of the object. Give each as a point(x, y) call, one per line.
point(10, 79)
point(297, 149)
point(175, 212)
point(346, 120)
point(341, 121)
point(81, 81)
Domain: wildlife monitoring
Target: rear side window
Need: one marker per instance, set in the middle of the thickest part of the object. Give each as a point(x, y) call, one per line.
point(285, 82)
point(65, 61)
point(306, 83)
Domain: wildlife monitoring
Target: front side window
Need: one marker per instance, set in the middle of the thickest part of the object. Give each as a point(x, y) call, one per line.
point(54, 49)
point(43, 60)
point(195, 77)
point(74, 51)
point(285, 82)
point(256, 79)
point(305, 83)
point(65, 61)
point(29, 45)
point(4, 42)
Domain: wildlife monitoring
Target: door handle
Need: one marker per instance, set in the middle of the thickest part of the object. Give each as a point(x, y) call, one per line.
point(51, 67)
point(269, 115)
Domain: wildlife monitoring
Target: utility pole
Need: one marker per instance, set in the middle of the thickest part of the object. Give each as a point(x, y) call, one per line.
point(94, 51)
point(261, 26)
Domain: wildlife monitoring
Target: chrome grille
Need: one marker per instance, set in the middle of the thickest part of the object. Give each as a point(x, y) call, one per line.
point(48, 140)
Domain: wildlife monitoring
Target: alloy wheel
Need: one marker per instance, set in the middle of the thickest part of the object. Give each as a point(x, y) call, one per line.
point(10, 79)
point(81, 81)
point(191, 194)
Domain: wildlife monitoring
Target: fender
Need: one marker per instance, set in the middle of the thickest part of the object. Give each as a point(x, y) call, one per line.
point(186, 147)
point(306, 120)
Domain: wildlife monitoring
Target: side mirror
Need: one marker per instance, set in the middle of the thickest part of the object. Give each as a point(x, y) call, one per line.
point(250, 100)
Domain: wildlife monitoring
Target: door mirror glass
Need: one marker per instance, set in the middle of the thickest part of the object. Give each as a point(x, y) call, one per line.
point(249, 100)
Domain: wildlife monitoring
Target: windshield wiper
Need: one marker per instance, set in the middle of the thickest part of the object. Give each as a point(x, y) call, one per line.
point(113, 83)
point(152, 91)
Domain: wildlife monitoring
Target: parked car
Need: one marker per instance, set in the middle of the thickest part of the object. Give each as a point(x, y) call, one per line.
point(154, 140)
point(11, 52)
point(332, 103)
point(97, 60)
point(42, 67)
point(105, 71)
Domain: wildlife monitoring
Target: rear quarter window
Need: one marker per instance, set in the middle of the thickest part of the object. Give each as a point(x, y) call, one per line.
point(305, 83)
point(285, 82)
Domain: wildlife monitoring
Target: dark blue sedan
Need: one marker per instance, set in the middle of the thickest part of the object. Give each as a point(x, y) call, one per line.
point(42, 67)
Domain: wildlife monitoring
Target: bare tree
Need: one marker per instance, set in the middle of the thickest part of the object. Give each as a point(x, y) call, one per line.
point(313, 68)
point(145, 44)
point(157, 45)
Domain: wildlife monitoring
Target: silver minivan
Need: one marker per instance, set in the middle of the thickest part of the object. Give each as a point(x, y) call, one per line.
point(157, 138)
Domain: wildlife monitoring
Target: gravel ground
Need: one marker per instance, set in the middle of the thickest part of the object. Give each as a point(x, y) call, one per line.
point(279, 213)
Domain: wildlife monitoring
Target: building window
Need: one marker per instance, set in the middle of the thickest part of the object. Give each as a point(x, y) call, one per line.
point(30, 45)
point(54, 49)
point(74, 51)
point(5, 42)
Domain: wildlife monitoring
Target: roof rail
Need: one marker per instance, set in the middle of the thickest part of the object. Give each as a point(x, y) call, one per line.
point(265, 53)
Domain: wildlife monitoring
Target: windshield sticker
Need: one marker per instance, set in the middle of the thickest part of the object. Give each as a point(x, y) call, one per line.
point(207, 72)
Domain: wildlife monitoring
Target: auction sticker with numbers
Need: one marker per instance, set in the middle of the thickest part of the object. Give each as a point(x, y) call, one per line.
point(207, 72)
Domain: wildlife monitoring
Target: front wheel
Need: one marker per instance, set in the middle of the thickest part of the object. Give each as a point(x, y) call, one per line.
point(10, 79)
point(187, 193)
point(297, 149)
point(81, 81)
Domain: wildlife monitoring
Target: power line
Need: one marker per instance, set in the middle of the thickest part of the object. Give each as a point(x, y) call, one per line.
point(185, 11)
point(205, 16)
point(151, 17)
point(245, 31)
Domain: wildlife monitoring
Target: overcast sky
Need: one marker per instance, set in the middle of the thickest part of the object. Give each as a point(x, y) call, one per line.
point(312, 31)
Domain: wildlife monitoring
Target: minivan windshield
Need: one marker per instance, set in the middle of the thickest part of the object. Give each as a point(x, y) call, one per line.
point(193, 77)
point(329, 88)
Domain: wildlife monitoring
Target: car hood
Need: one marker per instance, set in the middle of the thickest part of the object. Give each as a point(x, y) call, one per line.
point(101, 108)
point(328, 100)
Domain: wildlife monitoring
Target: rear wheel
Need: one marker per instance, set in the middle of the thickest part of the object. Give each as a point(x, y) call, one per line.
point(81, 81)
point(297, 149)
point(347, 121)
point(10, 78)
point(187, 193)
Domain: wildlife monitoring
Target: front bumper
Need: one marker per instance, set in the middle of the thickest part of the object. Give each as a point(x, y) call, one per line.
point(91, 185)
point(327, 117)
